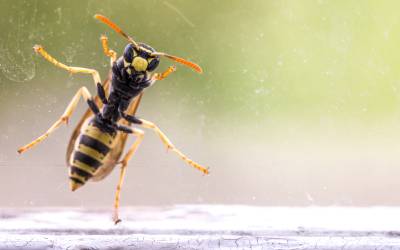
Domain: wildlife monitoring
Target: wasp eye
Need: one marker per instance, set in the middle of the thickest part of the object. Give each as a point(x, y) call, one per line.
point(153, 63)
point(129, 53)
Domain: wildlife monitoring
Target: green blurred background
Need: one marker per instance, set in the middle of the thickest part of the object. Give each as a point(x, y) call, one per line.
point(298, 104)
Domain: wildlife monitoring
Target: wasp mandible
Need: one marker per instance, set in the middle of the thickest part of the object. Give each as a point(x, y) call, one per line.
point(97, 143)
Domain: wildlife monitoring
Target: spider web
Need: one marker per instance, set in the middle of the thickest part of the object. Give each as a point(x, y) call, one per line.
point(16, 56)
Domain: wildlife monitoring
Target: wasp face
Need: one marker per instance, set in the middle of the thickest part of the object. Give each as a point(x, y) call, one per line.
point(140, 59)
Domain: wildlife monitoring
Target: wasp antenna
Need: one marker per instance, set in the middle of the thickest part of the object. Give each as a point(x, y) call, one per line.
point(185, 62)
point(115, 27)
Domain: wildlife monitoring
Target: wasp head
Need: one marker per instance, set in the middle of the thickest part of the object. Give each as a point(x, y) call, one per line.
point(140, 58)
point(148, 58)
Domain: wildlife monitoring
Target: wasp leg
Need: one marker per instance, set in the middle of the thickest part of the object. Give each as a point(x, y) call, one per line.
point(165, 74)
point(101, 92)
point(124, 162)
point(84, 92)
point(73, 70)
point(109, 52)
point(170, 146)
point(130, 118)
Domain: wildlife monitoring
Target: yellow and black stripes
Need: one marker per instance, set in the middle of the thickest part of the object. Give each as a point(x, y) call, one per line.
point(90, 151)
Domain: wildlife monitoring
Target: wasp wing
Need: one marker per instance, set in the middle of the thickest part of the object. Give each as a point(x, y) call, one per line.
point(84, 119)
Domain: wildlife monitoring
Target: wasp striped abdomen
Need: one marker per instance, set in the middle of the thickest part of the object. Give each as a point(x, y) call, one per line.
point(89, 153)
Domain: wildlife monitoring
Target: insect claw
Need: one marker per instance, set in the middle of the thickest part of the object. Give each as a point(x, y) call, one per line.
point(116, 219)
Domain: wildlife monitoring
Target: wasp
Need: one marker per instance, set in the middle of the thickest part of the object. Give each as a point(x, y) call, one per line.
point(98, 141)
